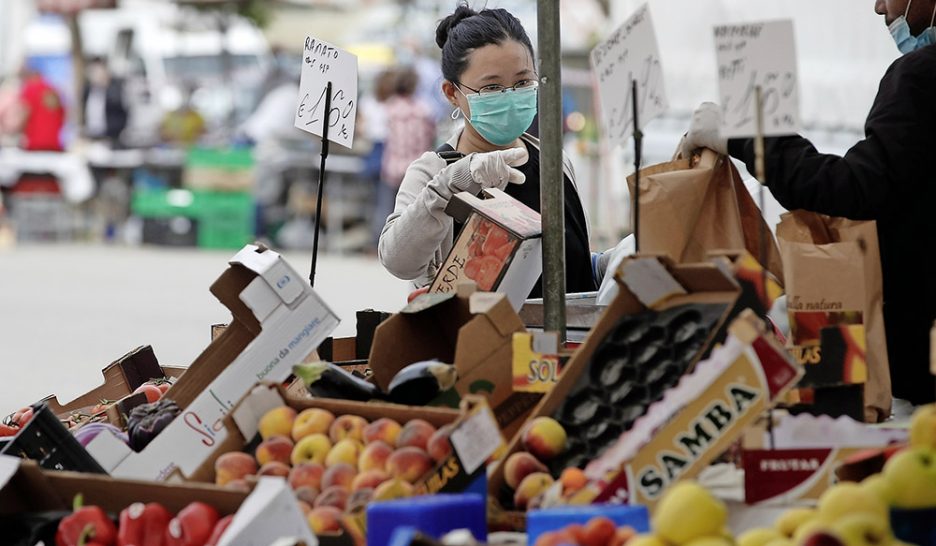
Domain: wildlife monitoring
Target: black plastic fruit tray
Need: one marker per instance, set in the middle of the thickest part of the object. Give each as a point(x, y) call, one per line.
point(48, 442)
point(642, 357)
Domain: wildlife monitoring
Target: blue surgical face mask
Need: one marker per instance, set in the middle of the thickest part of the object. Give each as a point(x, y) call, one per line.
point(906, 41)
point(500, 118)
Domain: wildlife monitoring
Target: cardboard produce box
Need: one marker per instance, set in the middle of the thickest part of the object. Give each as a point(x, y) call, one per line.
point(499, 247)
point(268, 513)
point(454, 474)
point(699, 419)
point(277, 320)
point(121, 378)
point(645, 284)
point(807, 455)
point(472, 330)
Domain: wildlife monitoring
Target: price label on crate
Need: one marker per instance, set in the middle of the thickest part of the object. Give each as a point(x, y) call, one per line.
point(631, 53)
point(322, 62)
point(536, 361)
point(751, 55)
point(477, 439)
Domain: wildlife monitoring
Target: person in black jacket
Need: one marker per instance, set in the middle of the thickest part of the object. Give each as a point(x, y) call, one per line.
point(104, 110)
point(888, 177)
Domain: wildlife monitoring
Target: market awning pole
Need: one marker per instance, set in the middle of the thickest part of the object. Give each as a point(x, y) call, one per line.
point(761, 176)
point(552, 200)
point(638, 140)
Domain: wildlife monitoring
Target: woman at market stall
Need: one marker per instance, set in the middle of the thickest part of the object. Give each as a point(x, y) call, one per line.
point(490, 79)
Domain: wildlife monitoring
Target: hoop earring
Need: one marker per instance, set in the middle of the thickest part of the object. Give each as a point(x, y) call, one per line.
point(456, 113)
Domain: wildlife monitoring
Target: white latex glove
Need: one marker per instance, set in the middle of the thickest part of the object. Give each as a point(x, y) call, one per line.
point(489, 170)
point(705, 131)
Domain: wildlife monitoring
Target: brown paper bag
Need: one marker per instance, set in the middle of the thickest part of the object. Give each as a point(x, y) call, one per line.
point(689, 208)
point(832, 268)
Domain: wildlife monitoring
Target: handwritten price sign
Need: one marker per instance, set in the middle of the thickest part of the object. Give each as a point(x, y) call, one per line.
point(323, 63)
point(755, 54)
point(630, 53)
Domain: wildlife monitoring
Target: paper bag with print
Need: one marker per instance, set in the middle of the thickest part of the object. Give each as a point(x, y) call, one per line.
point(689, 208)
point(832, 269)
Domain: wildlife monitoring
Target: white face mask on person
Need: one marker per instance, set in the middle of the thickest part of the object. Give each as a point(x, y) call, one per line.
point(905, 40)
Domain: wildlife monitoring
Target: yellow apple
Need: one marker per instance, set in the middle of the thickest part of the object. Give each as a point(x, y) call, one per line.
point(646, 540)
point(759, 536)
point(860, 529)
point(688, 511)
point(880, 487)
point(923, 427)
point(311, 449)
point(912, 477)
point(847, 498)
point(710, 541)
point(790, 520)
point(808, 528)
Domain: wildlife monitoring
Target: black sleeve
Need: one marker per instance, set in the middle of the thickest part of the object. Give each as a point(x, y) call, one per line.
point(873, 174)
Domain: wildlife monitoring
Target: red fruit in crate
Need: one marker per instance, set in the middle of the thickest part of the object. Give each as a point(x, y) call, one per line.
point(336, 496)
point(495, 239)
point(484, 227)
point(324, 519)
point(472, 266)
point(622, 535)
point(474, 248)
point(599, 531)
point(489, 269)
point(572, 480)
point(577, 532)
point(151, 391)
point(439, 446)
point(503, 251)
point(556, 538)
point(415, 433)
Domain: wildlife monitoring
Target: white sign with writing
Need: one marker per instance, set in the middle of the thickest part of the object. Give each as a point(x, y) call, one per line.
point(751, 55)
point(631, 53)
point(322, 63)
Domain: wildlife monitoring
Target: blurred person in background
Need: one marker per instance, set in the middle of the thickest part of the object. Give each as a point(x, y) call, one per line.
point(885, 177)
point(183, 126)
point(373, 117)
point(10, 110)
point(42, 114)
point(105, 112)
point(490, 78)
point(270, 131)
point(410, 133)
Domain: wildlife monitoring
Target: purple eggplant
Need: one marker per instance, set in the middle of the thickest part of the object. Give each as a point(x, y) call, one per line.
point(148, 420)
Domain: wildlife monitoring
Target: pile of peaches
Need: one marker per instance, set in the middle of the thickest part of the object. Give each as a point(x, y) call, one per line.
point(337, 464)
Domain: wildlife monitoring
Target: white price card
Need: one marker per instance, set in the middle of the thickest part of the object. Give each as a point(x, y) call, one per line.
point(322, 62)
point(751, 55)
point(631, 53)
point(476, 439)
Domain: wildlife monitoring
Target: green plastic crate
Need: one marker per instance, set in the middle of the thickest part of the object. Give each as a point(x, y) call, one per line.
point(230, 158)
point(225, 219)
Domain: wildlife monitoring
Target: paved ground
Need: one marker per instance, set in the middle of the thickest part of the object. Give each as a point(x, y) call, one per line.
point(66, 311)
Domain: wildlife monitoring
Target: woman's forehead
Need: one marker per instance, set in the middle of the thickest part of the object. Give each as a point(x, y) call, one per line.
point(506, 60)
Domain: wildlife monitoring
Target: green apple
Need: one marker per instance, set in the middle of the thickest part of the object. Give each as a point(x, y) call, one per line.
point(912, 476)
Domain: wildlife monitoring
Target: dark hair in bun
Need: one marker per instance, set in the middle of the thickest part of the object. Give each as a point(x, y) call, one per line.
point(466, 30)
